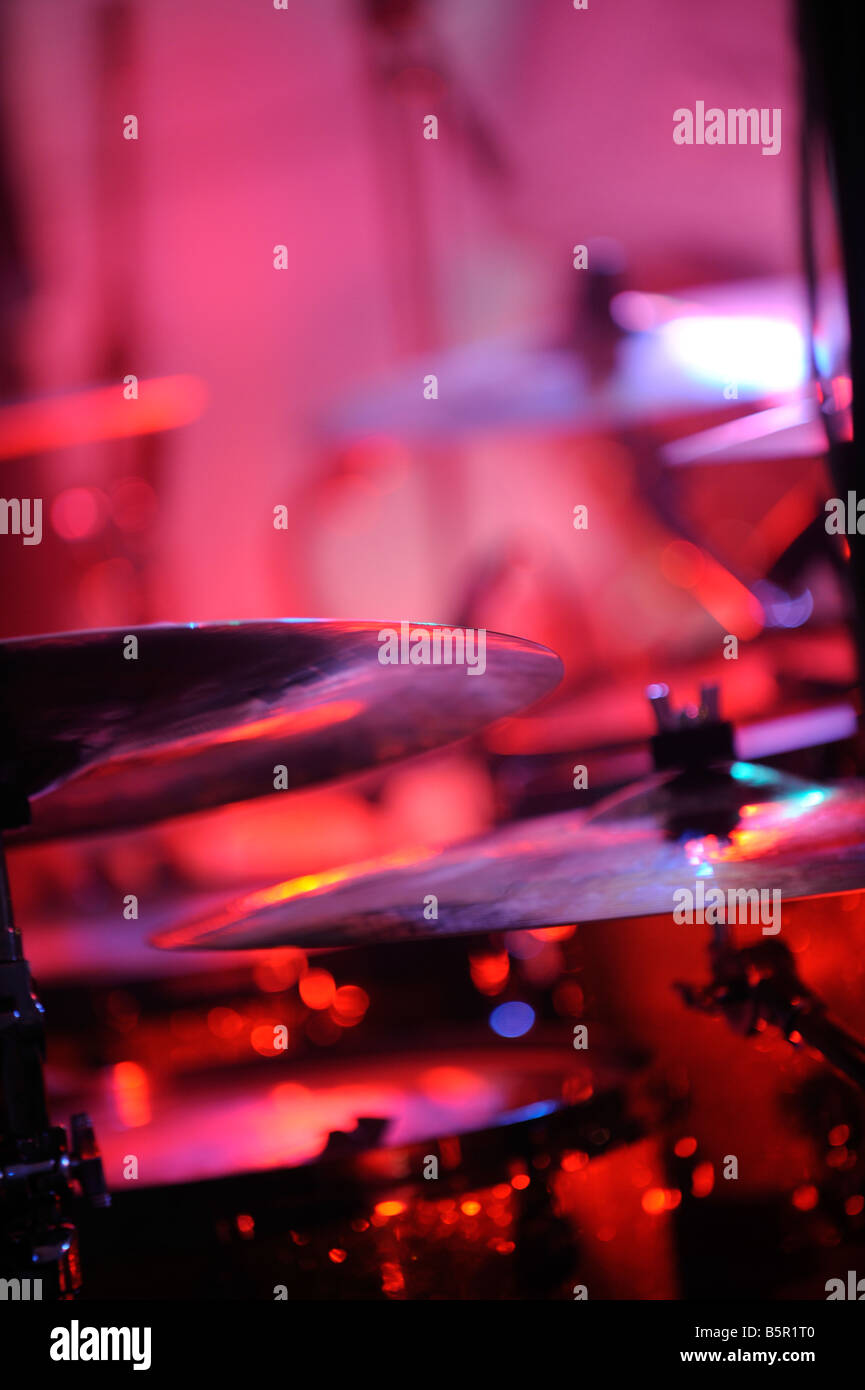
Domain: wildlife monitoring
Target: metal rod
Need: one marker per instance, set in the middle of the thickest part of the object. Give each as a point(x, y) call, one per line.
point(841, 1049)
point(10, 937)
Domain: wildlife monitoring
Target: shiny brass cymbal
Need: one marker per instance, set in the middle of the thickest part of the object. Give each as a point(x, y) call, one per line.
point(119, 728)
point(736, 827)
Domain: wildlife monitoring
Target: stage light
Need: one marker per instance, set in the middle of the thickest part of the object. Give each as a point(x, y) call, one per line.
point(512, 1020)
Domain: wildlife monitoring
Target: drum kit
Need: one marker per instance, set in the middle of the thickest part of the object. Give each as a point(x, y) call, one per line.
point(459, 1141)
point(429, 1160)
point(435, 1161)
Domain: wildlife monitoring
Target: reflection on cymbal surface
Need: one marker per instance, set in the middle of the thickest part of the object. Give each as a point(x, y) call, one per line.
point(739, 826)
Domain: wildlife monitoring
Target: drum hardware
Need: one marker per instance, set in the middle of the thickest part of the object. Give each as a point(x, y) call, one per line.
point(697, 789)
point(757, 985)
point(245, 1232)
point(147, 716)
point(703, 811)
point(700, 808)
point(754, 985)
point(693, 737)
point(42, 1173)
point(832, 106)
point(782, 675)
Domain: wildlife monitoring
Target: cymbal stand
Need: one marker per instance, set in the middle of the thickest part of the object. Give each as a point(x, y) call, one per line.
point(755, 985)
point(43, 1175)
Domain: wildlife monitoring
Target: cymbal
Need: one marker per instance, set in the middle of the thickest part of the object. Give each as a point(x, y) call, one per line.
point(206, 712)
point(494, 386)
point(794, 430)
point(737, 826)
point(97, 413)
point(679, 356)
point(248, 1119)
